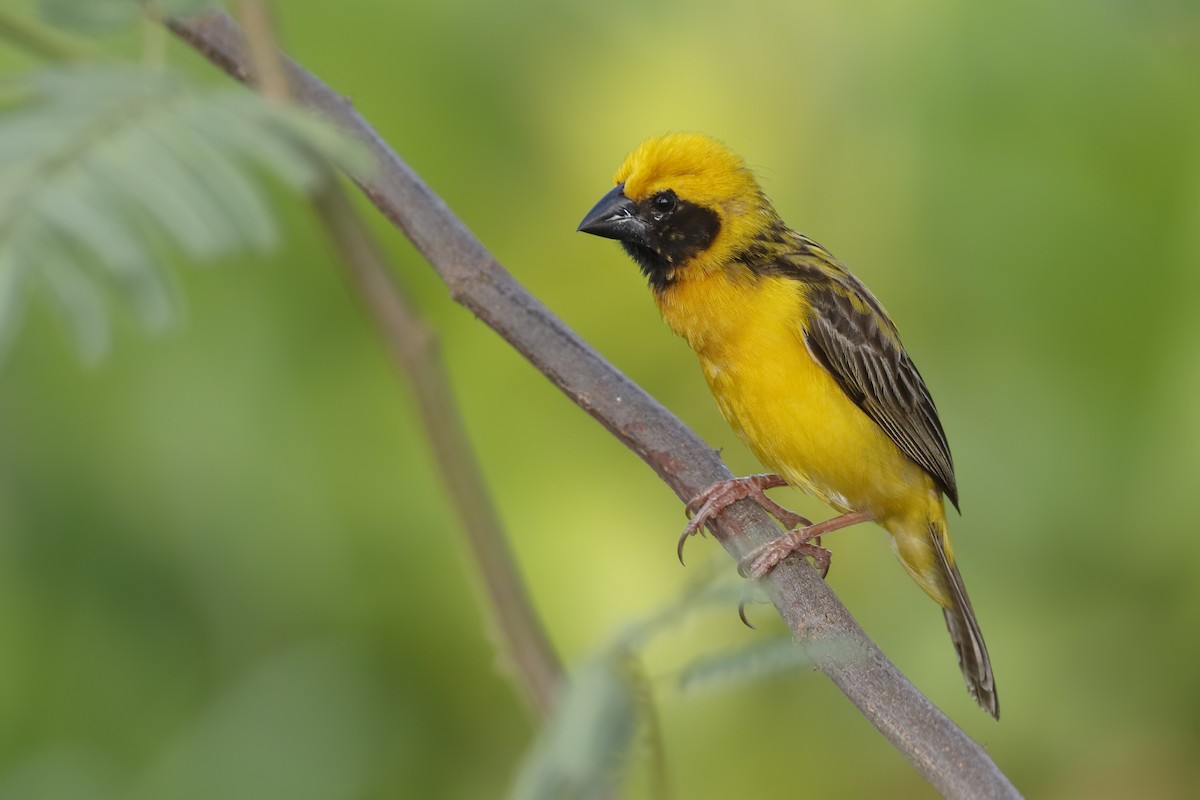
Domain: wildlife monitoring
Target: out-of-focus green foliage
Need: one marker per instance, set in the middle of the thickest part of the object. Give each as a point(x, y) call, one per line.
point(579, 755)
point(101, 164)
point(583, 751)
point(106, 16)
point(755, 661)
point(226, 568)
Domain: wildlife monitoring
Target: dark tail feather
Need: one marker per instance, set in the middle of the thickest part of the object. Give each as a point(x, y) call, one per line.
point(964, 632)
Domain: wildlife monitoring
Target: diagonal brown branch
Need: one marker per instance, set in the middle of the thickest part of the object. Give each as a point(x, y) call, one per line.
point(519, 636)
point(956, 765)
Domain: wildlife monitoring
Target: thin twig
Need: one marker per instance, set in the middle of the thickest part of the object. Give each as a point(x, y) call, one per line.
point(955, 764)
point(520, 637)
point(517, 632)
point(37, 40)
point(660, 779)
point(269, 76)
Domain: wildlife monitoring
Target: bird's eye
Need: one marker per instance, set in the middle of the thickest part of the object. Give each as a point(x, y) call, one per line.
point(663, 203)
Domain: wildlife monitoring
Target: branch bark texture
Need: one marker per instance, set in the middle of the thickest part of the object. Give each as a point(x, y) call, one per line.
point(949, 759)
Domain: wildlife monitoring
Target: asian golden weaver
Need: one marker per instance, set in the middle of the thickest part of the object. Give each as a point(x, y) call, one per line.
point(804, 363)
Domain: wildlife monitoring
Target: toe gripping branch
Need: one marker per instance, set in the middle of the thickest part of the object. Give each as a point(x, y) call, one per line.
point(705, 506)
point(800, 540)
point(802, 536)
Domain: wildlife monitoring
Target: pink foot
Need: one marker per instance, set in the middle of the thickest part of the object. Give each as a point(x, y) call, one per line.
point(762, 560)
point(716, 498)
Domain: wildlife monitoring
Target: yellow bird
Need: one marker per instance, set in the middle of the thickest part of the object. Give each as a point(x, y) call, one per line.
point(804, 363)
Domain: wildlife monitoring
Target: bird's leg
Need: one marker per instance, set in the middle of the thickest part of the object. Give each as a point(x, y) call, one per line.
point(763, 559)
point(716, 498)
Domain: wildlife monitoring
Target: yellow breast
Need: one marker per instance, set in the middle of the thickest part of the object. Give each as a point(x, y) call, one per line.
point(748, 332)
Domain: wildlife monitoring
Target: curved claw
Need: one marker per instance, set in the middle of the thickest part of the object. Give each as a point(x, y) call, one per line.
point(696, 525)
point(824, 561)
point(742, 614)
point(682, 541)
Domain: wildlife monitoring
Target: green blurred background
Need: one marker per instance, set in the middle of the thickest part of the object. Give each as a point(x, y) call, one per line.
point(227, 568)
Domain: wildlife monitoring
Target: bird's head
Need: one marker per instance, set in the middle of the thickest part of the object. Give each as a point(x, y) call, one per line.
point(683, 203)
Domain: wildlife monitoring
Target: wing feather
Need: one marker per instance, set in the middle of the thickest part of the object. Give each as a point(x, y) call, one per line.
point(851, 336)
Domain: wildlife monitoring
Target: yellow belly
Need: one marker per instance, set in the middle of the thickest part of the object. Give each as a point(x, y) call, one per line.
point(787, 409)
point(748, 333)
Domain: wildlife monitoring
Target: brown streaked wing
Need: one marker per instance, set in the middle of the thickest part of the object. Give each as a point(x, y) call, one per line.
point(852, 338)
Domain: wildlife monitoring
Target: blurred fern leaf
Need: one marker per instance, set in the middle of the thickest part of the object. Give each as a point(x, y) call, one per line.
point(103, 165)
point(763, 658)
point(105, 16)
point(580, 752)
point(578, 755)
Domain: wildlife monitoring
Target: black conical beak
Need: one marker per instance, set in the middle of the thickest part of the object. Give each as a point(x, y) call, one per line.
point(615, 217)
